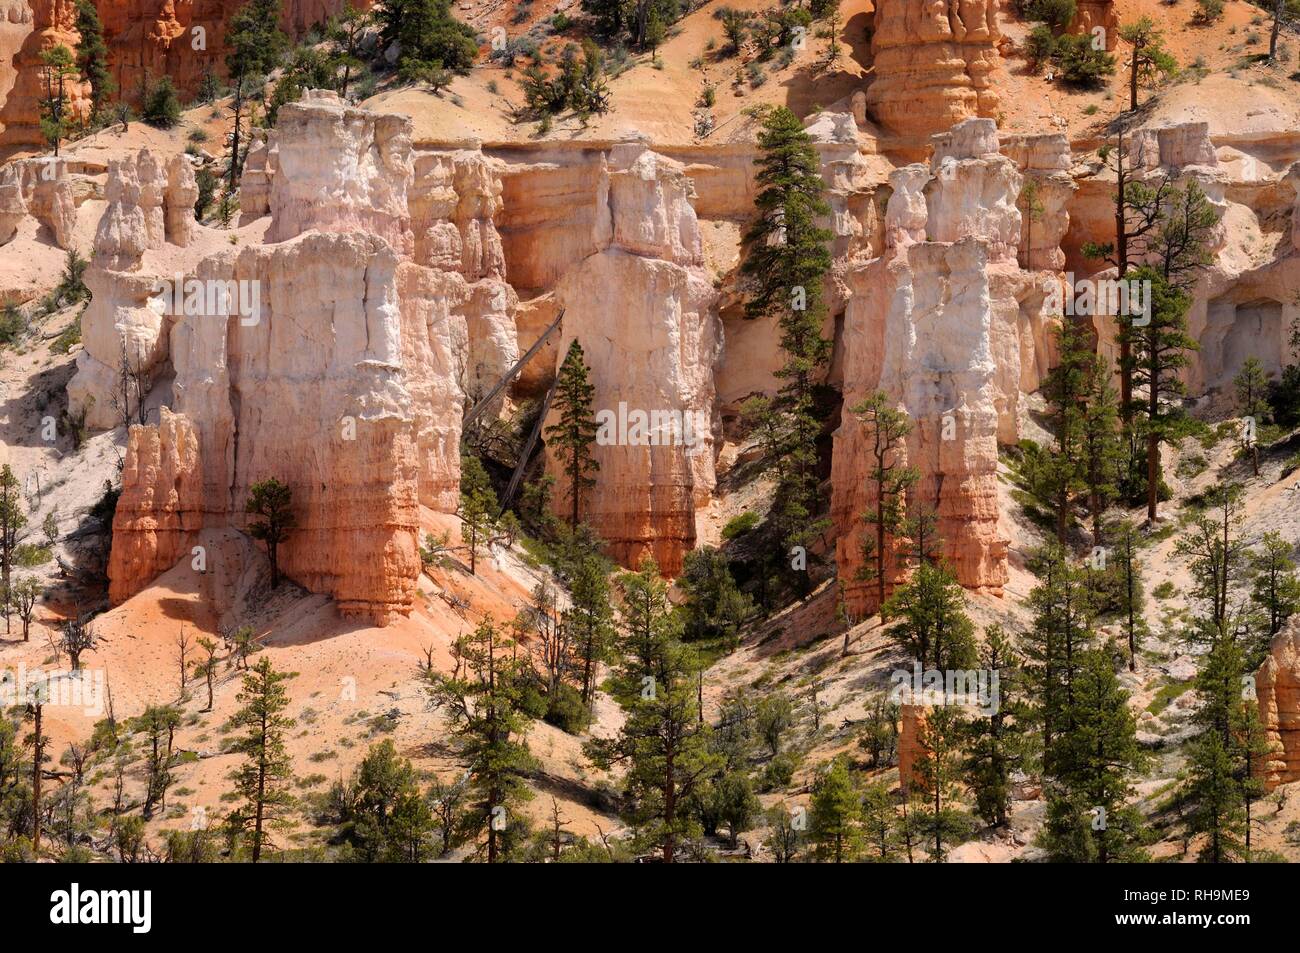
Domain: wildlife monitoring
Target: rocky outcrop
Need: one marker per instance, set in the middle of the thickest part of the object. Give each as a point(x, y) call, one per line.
point(44, 189)
point(911, 750)
point(126, 316)
point(341, 169)
point(943, 323)
point(160, 511)
point(186, 41)
point(935, 62)
point(335, 364)
point(314, 395)
point(455, 203)
point(1044, 160)
point(651, 359)
point(42, 25)
point(1091, 14)
point(1277, 688)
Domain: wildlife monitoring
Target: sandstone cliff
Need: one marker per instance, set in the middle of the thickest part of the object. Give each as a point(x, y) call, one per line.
point(935, 64)
point(652, 354)
point(950, 328)
point(344, 379)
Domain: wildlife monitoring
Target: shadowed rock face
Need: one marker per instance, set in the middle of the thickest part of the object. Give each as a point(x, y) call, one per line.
point(1277, 687)
point(27, 29)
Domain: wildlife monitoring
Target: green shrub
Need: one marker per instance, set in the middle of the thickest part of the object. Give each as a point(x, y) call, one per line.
point(1080, 64)
point(565, 710)
point(162, 107)
point(12, 325)
point(739, 525)
point(1040, 46)
point(1055, 13)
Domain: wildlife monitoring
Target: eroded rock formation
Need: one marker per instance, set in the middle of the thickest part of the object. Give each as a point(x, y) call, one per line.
point(343, 379)
point(950, 328)
point(934, 64)
point(125, 319)
point(40, 25)
point(650, 355)
point(160, 511)
point(1277, 687)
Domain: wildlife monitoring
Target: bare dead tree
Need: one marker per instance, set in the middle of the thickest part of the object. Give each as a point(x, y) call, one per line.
point(182, 657)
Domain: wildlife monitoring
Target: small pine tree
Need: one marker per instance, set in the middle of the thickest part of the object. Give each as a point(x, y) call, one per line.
point(1251, 385)
point(58, 68)
point(92, 56)
point(162, 107)
point(572, 436)
point(835, 824)
point(1276, 590)
point(273, 502)
point(1149, 61)
point(262, 782)
point(483, 698)
point(1158, 351)
point(477, 509)
point(931, 622)
point(887, 427)
point(997, 742)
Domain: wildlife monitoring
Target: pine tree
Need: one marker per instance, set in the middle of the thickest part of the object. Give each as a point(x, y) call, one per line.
point(835, 824)
point(262, 782)
point(1131, 599)
point(663, 745)
point(787, 259)
point(483, 700)
point(1062, 630)
point(273, 502)
point(427, 32)
point(647, 622)
point(92, 56)
point(255, 45)
point(572, 435)
point(477, 509)
point(590, 620)
point(1092, 763)
point(1276, 590)
point(388, 819)
point(996, 740)
point(878, 823)
point(1100, 443)
point(715, 607)
point(1251, 385)
point(938, 768)
point(1181, 245)
point(344, 33)
point(159, 723)
point(12, 520)
point(1150, 61)
point(1064, 388)
point(1158, 351)
point(1217, 555)
point(1138, 208)
point(887, 427)
point(57, 70)
point(931, 622)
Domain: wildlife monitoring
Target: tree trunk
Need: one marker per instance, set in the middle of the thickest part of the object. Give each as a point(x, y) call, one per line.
point(38, 749)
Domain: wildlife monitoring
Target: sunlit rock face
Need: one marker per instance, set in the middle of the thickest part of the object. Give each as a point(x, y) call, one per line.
point(642, 309)
point(949, 326)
